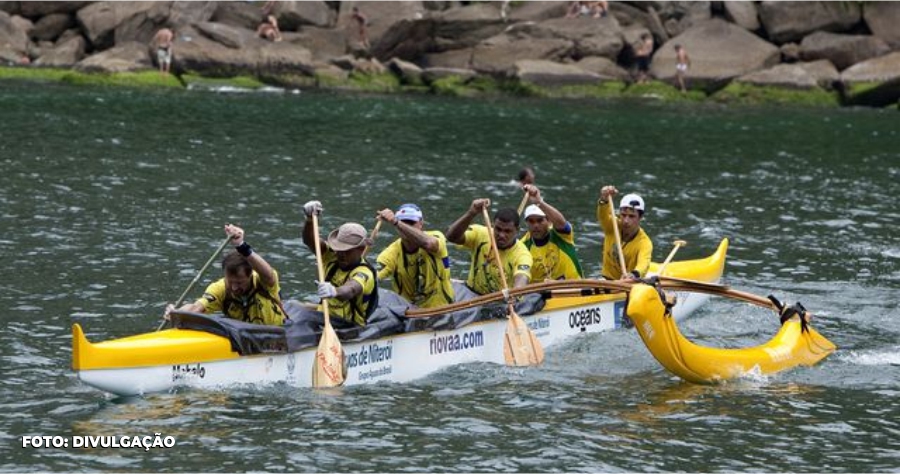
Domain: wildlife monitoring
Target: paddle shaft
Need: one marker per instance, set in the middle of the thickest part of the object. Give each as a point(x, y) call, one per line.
point(615, 222)
point(678, 244)
point(523, 203)
point(197, 278)
point(373, 235)
point(490, 228)
point(319, 267)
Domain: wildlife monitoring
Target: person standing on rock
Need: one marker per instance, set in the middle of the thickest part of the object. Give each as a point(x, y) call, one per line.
point(362, 23)
point(642, 56)
point(682, 63)
point(163, 41)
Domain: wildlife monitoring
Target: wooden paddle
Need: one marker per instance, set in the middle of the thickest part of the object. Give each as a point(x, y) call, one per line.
point(678, 244)
point(520, 345)
point(612, 210)
point(373, 235)
point(328, 365)
point(196, 279)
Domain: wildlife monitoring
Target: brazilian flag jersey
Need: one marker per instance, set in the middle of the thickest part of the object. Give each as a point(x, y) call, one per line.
point(555, 258)
point(421, 277)
point(358, 309)
point(261, 306)
point(637, 251)
point(484, 274)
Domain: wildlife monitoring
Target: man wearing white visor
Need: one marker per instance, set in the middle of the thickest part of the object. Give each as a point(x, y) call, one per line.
point(550, 239)
point(636, 245)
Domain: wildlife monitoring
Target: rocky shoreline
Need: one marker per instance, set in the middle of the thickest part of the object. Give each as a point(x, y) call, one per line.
point(825, 53)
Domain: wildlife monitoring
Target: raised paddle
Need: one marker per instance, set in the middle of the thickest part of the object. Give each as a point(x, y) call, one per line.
point(523, 203)
point(678, 244)
point(526, 176)
point(196, 278)
point(373, 235)
point(328, 365)
point(520, 346)
point(612, 210)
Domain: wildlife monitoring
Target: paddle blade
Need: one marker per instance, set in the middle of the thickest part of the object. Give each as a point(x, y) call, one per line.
point(520, 346)
point(328, 367)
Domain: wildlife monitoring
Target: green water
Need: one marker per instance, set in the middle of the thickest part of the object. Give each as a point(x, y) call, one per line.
point(111, 200)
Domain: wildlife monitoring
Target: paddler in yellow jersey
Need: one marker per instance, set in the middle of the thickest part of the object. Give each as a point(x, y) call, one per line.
point(249, 291)
point(417, 263)
point(484, 274)
point(637, 247)
point(550, 239)
point(349, 285)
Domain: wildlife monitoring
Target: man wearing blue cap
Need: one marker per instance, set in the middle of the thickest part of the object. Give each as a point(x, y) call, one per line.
point(418, 262)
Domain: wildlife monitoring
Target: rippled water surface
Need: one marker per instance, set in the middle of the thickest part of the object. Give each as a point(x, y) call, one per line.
point(111, 201)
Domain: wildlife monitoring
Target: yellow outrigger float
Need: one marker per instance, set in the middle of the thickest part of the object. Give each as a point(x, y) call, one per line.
point(795, 344)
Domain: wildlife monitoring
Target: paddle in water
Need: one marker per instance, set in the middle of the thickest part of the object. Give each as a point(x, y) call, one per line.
point(196, 279)
point(520, 345)
point(328, 365)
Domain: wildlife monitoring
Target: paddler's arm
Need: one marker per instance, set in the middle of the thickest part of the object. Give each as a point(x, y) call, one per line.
point(456, 233)
point(553, 215)
point(418, 237)
point(267, 275)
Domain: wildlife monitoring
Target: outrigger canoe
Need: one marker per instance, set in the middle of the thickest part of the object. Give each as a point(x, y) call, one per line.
point(216, 352)
point(795, 344)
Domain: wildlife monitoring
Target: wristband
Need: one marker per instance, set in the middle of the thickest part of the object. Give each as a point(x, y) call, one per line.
point(244, 249)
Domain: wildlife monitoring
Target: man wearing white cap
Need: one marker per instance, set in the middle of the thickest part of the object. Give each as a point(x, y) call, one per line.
point(550, 239)
point(349, 285)
point(418, 262)
point(637, 247)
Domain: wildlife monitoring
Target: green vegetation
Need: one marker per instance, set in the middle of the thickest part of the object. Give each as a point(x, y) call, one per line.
point(244, 82)
point(751, 94)
point(455, 86)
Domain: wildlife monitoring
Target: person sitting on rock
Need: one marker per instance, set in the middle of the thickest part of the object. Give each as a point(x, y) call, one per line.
point(268, 29)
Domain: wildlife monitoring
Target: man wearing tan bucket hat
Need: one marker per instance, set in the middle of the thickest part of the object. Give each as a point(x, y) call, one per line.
point(350, 285)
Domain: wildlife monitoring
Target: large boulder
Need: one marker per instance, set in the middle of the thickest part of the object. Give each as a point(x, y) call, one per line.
point(678, 16)
point(49, 27)
point(589, 36)
point(790, 76)
point(881, 69)
point(603, 67)
point(497, 55)
point(466, 26)
point(227, 35)
point(630, 16)
point(292, 15)
point(39, 9)
point(456, 59)
point(240, 14)
point(100, 20)
point(408, 40)
point(842, 50)
point(13, 38)
point(883, 19)
point(719, 51)
point(128, 57)
point(537, 11)
point(408, 72)
point(791, 21)
point(743, 14)
point(64, 54)
point(12, 8)
point(884, 72)
point(551, 74)
point(823, 72)
point(324, 43)
point(256, 56)
point(182, 14)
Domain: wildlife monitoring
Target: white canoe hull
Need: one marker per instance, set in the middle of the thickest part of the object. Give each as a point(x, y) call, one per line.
point(398, 358)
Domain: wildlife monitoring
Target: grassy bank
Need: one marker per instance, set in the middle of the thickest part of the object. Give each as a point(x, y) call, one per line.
point(449, 86)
